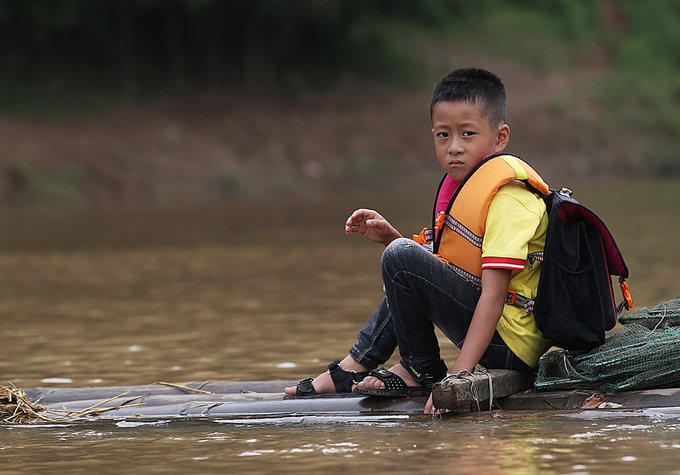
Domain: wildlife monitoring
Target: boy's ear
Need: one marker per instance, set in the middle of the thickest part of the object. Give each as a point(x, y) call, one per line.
point(502, 137)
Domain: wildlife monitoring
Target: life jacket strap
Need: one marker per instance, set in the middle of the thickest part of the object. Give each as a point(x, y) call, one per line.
point(443, 219)
point(459, 228)
point(425, 237)
point(514, 298)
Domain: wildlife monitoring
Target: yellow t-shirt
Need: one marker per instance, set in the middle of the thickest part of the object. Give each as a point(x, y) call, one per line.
point(515, 227)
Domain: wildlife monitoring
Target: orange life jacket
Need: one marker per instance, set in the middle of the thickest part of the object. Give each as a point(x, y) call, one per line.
point(461, 226)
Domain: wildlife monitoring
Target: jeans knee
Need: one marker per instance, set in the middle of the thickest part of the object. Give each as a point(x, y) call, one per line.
point(400, 252)
point(397, 248)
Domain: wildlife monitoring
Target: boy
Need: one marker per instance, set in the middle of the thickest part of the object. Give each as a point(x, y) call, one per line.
point(485, 263)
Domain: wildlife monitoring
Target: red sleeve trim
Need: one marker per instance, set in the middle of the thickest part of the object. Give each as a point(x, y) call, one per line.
point(502, 263)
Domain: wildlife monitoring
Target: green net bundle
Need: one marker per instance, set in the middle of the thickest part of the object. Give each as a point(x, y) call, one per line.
point(666, 313)
point(645, 353)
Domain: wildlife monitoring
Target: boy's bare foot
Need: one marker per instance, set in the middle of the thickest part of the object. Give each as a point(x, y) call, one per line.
point(374, 383)
point(323, 384)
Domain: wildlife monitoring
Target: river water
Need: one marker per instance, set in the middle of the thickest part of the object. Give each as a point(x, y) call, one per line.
point(272, 291)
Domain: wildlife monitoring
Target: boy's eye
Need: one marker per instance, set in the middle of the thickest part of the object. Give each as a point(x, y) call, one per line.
point(443, 135)
point(468, 134)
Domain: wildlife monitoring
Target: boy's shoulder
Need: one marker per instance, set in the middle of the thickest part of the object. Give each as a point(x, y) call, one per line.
point(515, 192)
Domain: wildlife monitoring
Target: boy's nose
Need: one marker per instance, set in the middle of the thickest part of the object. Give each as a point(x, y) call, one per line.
point(455, 147)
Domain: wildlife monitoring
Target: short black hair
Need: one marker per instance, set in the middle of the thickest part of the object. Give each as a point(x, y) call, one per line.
point(476, 86)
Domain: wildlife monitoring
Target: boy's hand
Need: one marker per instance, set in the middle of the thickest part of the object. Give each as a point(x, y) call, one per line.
point(372, 226)
point(430, 409)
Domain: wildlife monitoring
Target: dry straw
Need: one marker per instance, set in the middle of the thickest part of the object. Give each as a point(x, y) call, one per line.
point(186, 388)
point(15, 406)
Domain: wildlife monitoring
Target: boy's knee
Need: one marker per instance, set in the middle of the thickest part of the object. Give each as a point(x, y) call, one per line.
point(400, 250)
point(400, 246)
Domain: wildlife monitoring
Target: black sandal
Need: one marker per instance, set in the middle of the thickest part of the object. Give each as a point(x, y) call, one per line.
point(342, 379)
point(394, 386)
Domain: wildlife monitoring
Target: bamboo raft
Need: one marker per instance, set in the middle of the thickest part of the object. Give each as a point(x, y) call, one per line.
point(511, 390)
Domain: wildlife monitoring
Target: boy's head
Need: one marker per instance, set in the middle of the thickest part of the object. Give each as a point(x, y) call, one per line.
point(476, 86)
point(468, 119)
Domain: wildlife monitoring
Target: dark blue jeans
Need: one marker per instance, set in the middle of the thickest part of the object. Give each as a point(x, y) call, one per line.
point(422, 292)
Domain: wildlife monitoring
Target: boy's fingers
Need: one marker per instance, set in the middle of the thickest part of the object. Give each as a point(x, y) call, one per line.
point(429, 406)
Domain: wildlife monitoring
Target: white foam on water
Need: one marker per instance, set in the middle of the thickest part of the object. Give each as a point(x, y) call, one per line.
point(56, 380)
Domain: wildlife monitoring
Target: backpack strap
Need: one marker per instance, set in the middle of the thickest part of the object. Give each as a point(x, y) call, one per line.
point(535, 190)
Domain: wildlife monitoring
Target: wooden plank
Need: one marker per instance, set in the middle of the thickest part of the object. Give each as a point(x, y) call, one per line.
point(454, 393)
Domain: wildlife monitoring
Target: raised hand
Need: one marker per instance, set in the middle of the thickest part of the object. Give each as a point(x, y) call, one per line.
point(372, 226)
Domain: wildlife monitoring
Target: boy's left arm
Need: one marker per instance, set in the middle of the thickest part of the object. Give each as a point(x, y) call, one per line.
point(495, 284)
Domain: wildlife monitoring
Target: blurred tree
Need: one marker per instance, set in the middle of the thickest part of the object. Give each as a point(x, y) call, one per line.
point(175, 43)
point(135, 46)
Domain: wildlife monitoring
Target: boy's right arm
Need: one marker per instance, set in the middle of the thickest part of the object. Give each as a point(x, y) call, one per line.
point(372, 226)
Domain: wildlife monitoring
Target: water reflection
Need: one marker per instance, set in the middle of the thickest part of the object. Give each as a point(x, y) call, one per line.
point(194, 295)
point(473, 443)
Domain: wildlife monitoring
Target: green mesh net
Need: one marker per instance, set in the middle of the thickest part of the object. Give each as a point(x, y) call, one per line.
point(645, 353)
point(666, 313)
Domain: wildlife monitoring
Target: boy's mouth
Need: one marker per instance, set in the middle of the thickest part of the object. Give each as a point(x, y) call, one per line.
point(456, 163)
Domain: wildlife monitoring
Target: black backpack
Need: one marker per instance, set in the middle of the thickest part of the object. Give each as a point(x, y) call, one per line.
point(575, 305)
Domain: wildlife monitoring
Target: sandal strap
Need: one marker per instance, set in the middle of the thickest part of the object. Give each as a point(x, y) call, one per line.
point(391, 380)
point(342, 379)
point(305, 388)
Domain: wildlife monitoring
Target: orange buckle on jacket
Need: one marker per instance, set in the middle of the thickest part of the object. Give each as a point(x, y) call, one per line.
point(443, 259)
point(439, 222)
point(420, 238)
point(626, 293)
point(510, 299)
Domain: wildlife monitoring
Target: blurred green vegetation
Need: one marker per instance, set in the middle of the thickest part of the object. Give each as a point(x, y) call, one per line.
point(88, 53)
point(62, 57)
point(133, 48)
point(130, 48)
point(631, 47)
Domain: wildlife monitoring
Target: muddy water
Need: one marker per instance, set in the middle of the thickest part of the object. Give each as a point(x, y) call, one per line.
point(262, 292)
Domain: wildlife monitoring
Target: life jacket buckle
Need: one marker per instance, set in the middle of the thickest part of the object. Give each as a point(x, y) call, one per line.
point(512, 296)
point(422, 237)
point(439, 222)
point(443, 259)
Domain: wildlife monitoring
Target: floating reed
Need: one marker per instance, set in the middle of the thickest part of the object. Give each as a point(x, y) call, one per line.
point(95, 409)
point(185, 388)
point(15, 407)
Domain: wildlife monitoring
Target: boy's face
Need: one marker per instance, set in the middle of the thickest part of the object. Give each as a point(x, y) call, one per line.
point(462, 137)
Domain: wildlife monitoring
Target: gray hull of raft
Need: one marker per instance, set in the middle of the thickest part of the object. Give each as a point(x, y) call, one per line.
point(511, 390)
point(231, 399)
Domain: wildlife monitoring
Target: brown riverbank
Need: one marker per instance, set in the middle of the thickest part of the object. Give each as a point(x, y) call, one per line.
point(210, 147)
